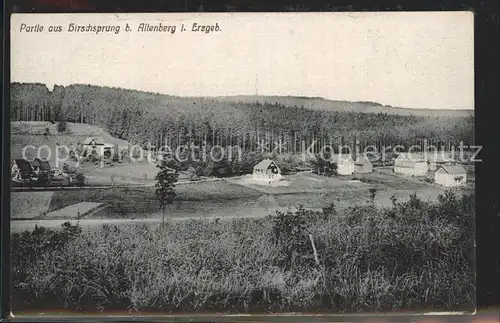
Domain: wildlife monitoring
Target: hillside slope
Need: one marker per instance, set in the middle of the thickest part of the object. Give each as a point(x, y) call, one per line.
point(141, 117)
point(26, 133)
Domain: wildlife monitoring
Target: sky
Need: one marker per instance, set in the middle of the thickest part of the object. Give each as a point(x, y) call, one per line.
point(410, 60)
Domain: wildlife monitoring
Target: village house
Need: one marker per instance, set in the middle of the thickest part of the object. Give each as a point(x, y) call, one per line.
point(411, 164)
point(450, 176)
point(345, 164)
point(97, 145)
point(363, 165)
point(93, 144)
point(22, 170)
point(267, 170)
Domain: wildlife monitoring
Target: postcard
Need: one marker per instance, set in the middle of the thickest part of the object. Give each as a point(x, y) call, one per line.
point(242, 163)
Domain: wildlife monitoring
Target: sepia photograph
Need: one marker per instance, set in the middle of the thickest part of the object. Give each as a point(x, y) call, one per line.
point(241, 163)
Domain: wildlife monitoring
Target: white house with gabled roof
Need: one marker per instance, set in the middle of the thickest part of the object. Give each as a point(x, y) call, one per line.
point(267, 170)
point(450, 176)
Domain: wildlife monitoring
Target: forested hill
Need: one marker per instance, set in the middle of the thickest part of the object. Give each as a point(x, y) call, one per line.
point(316, 103)
point(140, 117)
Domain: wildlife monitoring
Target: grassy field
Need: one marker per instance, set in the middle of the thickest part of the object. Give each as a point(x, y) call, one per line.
point(123, 174)
point(346, 191)
point(308, 190)
point(412, 256)
point(300, 183)
point(29, 205)
point(142, 200)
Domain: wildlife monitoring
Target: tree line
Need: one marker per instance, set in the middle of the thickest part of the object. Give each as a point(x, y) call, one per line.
point(143, 117)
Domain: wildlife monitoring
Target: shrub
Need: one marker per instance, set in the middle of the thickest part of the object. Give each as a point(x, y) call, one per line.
point(80, 179)
point(191, 172)
point(329, 212)
point(165, 186)
point(30, 247)
point(373, 193)
point(62, 126)
point(92, 157)
point(107, 154)
point(290, 234)
point(73, 155)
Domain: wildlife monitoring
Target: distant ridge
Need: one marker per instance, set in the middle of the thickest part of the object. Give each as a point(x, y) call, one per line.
point(318, 103)
point(310, 103)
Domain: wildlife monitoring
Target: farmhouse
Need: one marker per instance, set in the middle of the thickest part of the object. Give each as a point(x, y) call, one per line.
point(97, 145)
point(450, 176)
point(345, 164)
point(23, 169)
point(363, 165)
point(93, 144)
point(266, 170)
point(411, 164)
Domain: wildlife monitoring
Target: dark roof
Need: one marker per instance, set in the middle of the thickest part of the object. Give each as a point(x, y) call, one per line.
point(453, 169)
point(98, 140)
point(24, 165)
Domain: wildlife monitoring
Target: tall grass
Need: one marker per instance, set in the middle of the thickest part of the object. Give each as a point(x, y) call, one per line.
point(414, 255)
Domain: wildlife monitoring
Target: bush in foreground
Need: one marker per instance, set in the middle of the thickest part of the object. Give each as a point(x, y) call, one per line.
point(414, 255)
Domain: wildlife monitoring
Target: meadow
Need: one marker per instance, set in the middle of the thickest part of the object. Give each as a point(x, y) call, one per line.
point(414, 255)
point(227, 195)
point(142, 200)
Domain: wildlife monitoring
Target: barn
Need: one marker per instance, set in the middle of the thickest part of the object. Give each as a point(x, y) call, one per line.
point(411, 164)
point(363, 165)
point(345, 164)
point(266, 170)
point(450, 176)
